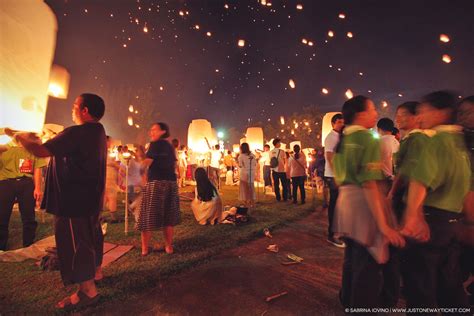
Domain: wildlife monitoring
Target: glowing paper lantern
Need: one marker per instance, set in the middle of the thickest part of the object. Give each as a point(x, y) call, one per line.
point(310, 43)
point(130, 108)
point(291, 82)
point(331, 34)
point(209, 34)
point(198, 132)
point(130, 121)
point(342, 16)
point(27, 44)
point(350, 35)
point(349, 94)
point(384, 104)
point(444, 38)
point(304, 41)
point(446, 58)
point(299, 7)
point(324, 91)
point(58, 82)
point(50, 131)
point(241, 43)
point(254, 137)
point(282, 120)
point(292, 144)
point(327, 126)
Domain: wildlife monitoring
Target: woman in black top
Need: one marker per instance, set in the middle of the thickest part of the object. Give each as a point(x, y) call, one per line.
point(160, 204)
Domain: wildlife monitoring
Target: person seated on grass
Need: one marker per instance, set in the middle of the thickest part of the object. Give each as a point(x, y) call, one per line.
point(207, 205)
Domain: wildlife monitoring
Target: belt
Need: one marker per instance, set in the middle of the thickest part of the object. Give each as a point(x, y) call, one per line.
point(17, 179)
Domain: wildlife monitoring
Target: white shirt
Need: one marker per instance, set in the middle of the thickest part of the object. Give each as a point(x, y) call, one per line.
point(247, 167)
point(389, 145)
point(297, 167)
point(265, 159)
point(330, 144)
point(216, 157)
point(280, 153)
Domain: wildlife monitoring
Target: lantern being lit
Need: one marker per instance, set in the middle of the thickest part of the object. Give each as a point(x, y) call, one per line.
point(200, 135)
point(254, 137)
point(58, 82)
point(25, 72)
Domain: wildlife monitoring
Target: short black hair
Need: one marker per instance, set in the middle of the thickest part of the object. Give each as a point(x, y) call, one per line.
point(443, 100)
point(164, 127)
point(410, 106)
point(217, 147)
point(276, 141)
point(385, 124)
point(336, 117)
point(353, 106)
point(395, 131)
point(95, 105)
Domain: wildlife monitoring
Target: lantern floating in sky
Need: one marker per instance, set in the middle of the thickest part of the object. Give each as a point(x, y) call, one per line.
point(161, 88)
point(196, 26)
point(350, 35)
point(324, 91)
point(27, 44)
point(181, 13)
point(299, 6)
point(58, 82)
point(304, 41)
point(349, 94)
point(291, 82)
point(331, 34)
point(209, 34)
point(342, 16)
point(211, 91)
point(444, 38)
point(282, 120)
point(263, 2)
point(130, 108)
point(310, 43)
point(446, 58)
point(145, 29)
point(241, 43)
point(384, 104)
point(130, 121)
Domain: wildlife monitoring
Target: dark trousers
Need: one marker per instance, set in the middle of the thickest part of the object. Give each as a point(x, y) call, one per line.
point(333, 194)
point(298, 183)
point(280, 177)
point(80, 246)
point(431, 271)
point(365, 283)
point(267, 177)
point(20, 189)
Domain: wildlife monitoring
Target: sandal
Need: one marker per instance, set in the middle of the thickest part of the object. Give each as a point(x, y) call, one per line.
point(84, 301)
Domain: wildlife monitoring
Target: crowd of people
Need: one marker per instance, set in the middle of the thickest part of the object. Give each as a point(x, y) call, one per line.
point(399, 200)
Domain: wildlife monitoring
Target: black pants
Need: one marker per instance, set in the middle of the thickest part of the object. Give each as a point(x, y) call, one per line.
point(280, 177)
point(431, 271)
point(80, 246)
point(366, 283)
point(333, 194)
point(267, 178)
point(20, 189)
point(298, 183)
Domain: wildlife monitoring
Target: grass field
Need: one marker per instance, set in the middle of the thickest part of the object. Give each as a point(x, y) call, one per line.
point(24, 288)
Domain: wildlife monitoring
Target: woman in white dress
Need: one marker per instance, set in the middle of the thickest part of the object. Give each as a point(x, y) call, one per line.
point(207, 205)
point(247, 167)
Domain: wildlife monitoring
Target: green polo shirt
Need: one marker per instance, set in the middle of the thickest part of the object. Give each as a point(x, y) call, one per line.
point(358, 159)
point(15, 163)
point(445, 170)
point(408, 157)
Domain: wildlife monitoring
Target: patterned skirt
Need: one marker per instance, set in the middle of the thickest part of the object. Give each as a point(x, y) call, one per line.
point(160, 206)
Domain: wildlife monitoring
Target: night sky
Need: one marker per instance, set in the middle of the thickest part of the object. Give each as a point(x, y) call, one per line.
point(158, 56)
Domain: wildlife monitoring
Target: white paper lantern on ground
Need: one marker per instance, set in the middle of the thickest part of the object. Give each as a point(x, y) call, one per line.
point(58, 82)
point(327, 126)
point(27, 44)
point(198, 132)
point(254, 137)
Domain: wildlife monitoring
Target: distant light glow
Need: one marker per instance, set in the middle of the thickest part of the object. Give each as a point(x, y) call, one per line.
point(349, 94)
point(331, 34)
point(299, 7)
point(342, 16)
point(241, 43)
point(446, 58)
point(444, 38)
point(324, 91)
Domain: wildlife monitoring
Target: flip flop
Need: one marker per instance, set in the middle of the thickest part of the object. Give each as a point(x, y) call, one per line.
point(84, 301)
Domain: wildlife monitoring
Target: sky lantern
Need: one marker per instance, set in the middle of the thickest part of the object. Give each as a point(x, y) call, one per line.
point(130, 121)
point(200, 135)
point(324, 91)
point(130, 108)
point(384, 104)
point(282, 120)
point(304, 41)
point(236, 148)
point(446, 58)
point(444, 38)
point(254, 136)
point(209, 34)
point(349, 94)
point(331, 34)
point(327, 126)
point(342, 16)
point(28, 27)
point(292, 84)
point(241, 43)
point(58, 86)
point(310, 43)
point(299, 7)
point(350, 35)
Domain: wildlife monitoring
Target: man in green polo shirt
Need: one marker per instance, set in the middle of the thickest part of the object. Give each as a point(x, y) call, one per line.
point(438, 185)
point(20, 180)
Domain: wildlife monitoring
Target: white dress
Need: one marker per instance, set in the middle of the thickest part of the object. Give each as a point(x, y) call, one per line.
point(247, 169)
point(207, 212)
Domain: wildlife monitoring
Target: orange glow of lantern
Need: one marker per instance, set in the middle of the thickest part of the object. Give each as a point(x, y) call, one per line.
point(292, 84)
point(444, 38)
point(446, 58)
point(349, 94)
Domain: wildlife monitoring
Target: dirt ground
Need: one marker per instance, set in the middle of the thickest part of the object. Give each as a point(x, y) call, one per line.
point(238, 281)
